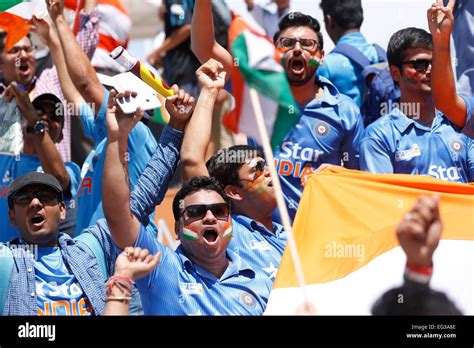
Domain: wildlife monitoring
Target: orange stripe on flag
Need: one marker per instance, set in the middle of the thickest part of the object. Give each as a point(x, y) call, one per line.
point(108, 43)
point(16, 27)
point(346, 207)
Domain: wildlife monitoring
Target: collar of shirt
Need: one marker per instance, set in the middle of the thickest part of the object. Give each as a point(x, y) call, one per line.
point(402, 122)
point(236, 266)
point(330, 95)
point(254, 226)
point(352, 38)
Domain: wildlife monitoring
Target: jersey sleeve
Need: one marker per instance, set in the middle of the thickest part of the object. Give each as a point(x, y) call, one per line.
point(374, 153)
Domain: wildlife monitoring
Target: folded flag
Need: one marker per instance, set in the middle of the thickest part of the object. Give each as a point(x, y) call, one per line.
point(257, 65)
point(345, 235)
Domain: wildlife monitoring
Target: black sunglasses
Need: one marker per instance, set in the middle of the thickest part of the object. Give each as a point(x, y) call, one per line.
point(420, 65)
point(199, 211)
point(26, 197)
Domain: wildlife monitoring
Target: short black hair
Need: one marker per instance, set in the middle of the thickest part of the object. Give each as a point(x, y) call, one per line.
point(348, 14)
point(298, 19)
point(225, 164)
point(195, 184)
point(405, 39)
point(3, 37)
point(414, 299)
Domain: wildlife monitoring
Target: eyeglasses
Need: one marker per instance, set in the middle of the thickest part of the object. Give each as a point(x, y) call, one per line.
point(258, 168)
point(306, 44)
point(17, 49)
point(26, 197)
point(420, 65)
point(199, 211)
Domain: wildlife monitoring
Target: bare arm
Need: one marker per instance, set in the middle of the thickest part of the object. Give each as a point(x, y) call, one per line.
point(80, 70)
point(50, 38)
point(175, 39)
point(441, 21)
point(48, 154)
point(198, 134)
point(203, 43)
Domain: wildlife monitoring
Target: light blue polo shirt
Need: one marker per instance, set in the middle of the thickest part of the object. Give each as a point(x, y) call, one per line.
point(398, 144)
point(469, 125)
point(141, 147)
point(260, 248)
point(342, 72)
point(12, 167)
point(177, 286)
point(329, 131)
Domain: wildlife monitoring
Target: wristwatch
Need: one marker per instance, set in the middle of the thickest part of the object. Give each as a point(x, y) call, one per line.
point(38, 128)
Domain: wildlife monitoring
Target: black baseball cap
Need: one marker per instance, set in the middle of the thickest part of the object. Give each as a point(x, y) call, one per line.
point(50, 98)
point(34, 178)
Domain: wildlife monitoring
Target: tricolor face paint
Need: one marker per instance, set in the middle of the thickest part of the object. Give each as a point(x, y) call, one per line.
point(228, 231)
point(189, 233)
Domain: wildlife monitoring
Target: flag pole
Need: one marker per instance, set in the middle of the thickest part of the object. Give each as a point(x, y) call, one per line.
point(267, 150)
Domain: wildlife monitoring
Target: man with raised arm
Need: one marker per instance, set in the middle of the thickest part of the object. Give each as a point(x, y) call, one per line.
point(330, 125)
point(459, 109)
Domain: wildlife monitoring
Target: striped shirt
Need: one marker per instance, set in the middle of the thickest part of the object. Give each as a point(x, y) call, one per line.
point(177, 286)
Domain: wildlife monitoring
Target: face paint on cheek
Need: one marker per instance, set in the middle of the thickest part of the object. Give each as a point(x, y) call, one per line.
point(228, 231)
point(257, 186)
point(315, 59)
point(411, 77)
point(189, 233)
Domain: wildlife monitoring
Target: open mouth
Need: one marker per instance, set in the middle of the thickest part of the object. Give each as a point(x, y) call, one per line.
point(24, 69)
point(37, 220)
point(297, 66)
point(210, 235)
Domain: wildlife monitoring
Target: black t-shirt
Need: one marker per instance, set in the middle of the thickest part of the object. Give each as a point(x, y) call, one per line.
point(180, 63)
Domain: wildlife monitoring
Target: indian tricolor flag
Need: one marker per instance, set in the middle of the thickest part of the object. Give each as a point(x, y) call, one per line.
point(257, 65)
point(15, 15)
point(345, 235)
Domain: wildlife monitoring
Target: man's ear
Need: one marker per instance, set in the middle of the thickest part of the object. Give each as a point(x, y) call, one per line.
point(11, 215)
point(178, 225)
point(395, 72)
point(62, 211)
point(233, 192)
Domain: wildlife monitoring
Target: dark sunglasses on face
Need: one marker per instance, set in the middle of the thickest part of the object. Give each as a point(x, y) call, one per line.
point(26, 197)
point(306, 44)
point(199, 211)
point(420, 65)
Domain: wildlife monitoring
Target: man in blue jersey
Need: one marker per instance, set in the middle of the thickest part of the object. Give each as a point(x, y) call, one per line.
point(415, 138)
point(202, 276)
point(343, 19)
point(43, 123)
point(330, 125)
point(43, 271)
point(459, 109)
point(242, 172)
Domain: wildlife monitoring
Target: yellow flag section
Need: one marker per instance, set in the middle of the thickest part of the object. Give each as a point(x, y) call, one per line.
point(345, 234)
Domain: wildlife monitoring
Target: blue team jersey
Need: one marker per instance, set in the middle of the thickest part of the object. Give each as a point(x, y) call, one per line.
point(329, 131)
point(141, 147)
point(177, 286)
point(260, 248)
point(57, 290)
point(12, 167)
point(398, 144)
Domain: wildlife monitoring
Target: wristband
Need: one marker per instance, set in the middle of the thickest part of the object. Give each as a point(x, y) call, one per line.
point(421, 275)
point(124, 283)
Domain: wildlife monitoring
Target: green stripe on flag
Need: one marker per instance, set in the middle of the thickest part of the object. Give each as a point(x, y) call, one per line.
point(272, 84)
point(158, 117)
point(6, 4)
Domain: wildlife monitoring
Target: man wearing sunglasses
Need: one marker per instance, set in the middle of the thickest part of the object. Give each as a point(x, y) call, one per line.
point(330, 126)
point(45, 271)
point(43, 123)
point(415, 138)
point(243, 174)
